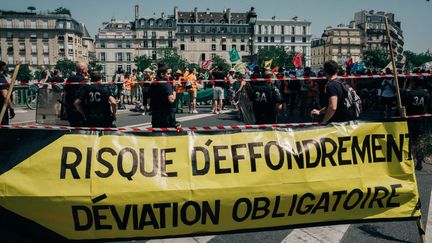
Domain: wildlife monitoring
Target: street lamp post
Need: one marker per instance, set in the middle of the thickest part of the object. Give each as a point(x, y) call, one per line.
point(251, 18)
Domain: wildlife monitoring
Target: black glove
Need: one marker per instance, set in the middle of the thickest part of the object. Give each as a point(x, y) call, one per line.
point(11, 113)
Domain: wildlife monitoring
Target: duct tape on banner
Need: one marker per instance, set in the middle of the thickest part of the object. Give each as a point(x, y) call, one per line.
point(408, 75)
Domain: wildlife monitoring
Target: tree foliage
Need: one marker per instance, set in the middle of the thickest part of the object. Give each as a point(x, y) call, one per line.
point(279, 55)
point(66, 67)
point(375, 58)
point(142, 62)
point(414, 60)
point(31, 9)
point(171, 57)
point(24, 73)
point(94, 65)
point(218, 61)
point(61, 10)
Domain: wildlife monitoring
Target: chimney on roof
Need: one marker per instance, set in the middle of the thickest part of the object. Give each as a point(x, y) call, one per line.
point(274, 18)
point(196, 14)
point(136, 12)
point(176, 13)
point(207, 11)
point(229, 15)
point(162, 15)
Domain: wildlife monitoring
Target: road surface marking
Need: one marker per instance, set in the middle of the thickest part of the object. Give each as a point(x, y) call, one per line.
point(328, 234)
point(428, 227)
point(201, 239)
point(180, 119)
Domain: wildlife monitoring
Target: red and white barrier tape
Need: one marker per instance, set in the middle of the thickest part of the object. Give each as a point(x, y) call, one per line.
point(138, 129)
point(366, 76)
point(414, 116)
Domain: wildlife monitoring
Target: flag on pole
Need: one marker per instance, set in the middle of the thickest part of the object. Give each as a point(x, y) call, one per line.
point(267, 64)
point(240, 67)
point(207, 64)
point(297, 60)
point(234, 56)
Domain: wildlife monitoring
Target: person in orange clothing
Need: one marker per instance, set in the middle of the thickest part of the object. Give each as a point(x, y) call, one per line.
point(191, 86)
point(179, 87)
point(127, 86)
point(134, 86)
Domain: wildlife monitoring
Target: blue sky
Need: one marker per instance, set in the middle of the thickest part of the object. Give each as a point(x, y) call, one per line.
point(415, 15)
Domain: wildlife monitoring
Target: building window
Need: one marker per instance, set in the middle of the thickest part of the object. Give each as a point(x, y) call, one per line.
point(153, 34)
point(170, 43)
point(102, 44)
point(272, 39)
point(192, 37)
point(272, 30)
point(33, 48)
point(10, 58)
point(259, 39)
point(203, 38)
point(128, 44)
point(304, 39)
point(202, 56)
point(154, 55)
point(242, 48)
point(242, 39)
point(304, 30)
point(293, 39)
point(213, 55)
point(102, 57)
point(34, 60)
point(182, 38)
point(45, 24)
point(170, 34)
point(128, 68)
point(304, 50)
point(45, 35)
point(224, 47)
point(213, 38)
point(153, 43)
point(21, 47)
point(33, 36)
point(68, 25)
point(45, 48)
point(33, 24)
point(145, 44)
point(9, 23)
point(234, 47)
point(282, 30)
point(21, 35)
point(259, 29)
point(266, 39)
point(9, 35)
point(213, 47)
point(128, 56)
point(119, 57)
point(234, 38)
point(46, 60)
point(145, 33)
point(119, 45)
point(293, 30)
point(182, 47)
point(21, 24)
point(282, 39)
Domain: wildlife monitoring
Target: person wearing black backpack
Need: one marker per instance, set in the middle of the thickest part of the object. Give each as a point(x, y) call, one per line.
point(334, 93)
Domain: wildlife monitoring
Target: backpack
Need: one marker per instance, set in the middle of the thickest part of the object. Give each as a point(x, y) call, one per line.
point(352, 101)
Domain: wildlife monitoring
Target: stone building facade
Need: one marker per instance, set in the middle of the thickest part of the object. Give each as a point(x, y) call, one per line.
point(43, 39)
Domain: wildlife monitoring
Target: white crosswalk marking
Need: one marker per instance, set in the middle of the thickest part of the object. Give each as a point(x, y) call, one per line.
point(429, 222)
point(326, 234)
point(201, 239)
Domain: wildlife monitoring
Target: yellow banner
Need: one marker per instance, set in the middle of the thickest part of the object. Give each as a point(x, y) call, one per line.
point(128, 185)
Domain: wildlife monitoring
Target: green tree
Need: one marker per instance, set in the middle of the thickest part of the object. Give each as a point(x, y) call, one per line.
point(31, 9)
point(62, 10)
point(94, 65)
point(375, 58)
point(279, 55)
point(413, 60)
point(142, 62)
point(171, 57)
point(218, 61)
point(24, 73)
point(66, 67)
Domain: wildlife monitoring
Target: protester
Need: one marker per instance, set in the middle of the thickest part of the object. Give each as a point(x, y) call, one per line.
point(387, 96)
point(56, 78)
point(218, 91)
point(416, 102)
point(44, 75)
point(96, 104)
point(333, 109)
point(134, 87)
point(71, 88)
point(191, 87)
point(126, 98)
point(145, 87)
point(179, 87)
point(162, 98)
point(266, 99)
point(119, 79)
point(4, 86)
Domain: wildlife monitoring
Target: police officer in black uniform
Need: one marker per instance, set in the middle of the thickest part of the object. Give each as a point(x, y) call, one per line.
point(416, 102)
point(266, 99)
point(96, 103)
